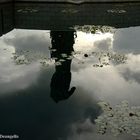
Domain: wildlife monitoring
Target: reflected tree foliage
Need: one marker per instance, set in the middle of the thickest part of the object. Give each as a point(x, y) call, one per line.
point(95, 29)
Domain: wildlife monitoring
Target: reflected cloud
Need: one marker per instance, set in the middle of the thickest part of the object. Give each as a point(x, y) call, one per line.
point(126, 40)
point(33, 105)
point(88, 42)
point(104, 45)
point(33, 45)
point(74, 118)
point(14, 78)
point(52, 121)
point(131, 70)
point(107, 84)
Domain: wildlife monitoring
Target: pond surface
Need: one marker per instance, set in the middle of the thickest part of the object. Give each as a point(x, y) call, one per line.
point(54, 84)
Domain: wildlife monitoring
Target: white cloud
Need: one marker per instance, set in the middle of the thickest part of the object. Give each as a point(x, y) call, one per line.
point(87, 42)
point(87, 130)
point(13, 77)
point(126, 40)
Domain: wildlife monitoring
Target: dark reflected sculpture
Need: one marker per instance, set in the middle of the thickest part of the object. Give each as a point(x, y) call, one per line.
point(62, 48)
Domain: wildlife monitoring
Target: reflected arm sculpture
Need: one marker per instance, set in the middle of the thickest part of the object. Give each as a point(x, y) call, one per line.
point(62, 43)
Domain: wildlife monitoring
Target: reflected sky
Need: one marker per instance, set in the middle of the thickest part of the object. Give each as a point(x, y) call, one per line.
point(104, 66)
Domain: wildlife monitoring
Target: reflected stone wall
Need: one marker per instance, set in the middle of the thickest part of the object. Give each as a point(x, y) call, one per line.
point(56, 16)
point(71, 1)
point(3, 1)
point(6, 17)
point(0, 23)
point(80, 1)
point(62, 16)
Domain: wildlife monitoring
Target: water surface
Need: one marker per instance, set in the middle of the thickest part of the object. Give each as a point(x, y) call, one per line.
point(51, 81)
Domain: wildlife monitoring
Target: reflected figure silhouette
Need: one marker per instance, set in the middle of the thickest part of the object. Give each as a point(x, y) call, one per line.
point(62, 48)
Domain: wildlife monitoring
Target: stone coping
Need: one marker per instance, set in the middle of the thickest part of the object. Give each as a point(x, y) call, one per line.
point(70, 1)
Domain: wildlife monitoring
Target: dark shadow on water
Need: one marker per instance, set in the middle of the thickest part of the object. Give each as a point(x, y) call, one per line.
point(62, 44)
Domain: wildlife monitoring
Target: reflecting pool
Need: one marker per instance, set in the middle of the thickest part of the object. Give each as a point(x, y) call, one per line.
point(83, 83)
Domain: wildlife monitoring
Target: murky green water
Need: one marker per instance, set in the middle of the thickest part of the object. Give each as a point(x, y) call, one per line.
point(51, 82)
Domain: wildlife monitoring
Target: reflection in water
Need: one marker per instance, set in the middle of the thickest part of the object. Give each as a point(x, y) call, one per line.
point(27, 108)
point(62, 45)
